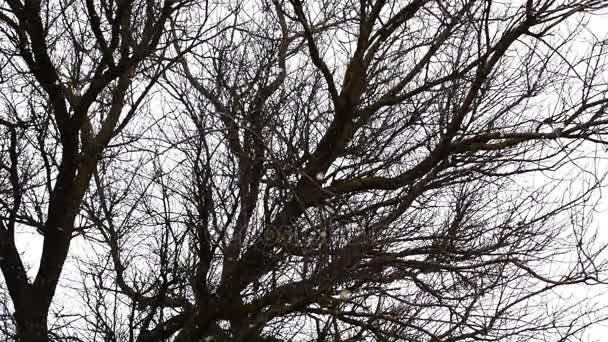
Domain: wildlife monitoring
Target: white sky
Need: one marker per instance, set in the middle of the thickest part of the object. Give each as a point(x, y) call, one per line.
point(30, 243)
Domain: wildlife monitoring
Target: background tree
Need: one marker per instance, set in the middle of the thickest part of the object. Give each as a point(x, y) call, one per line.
point(363, 171)
point(67, 91)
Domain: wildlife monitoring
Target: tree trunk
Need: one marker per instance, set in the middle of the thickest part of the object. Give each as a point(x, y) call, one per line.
point(32, 323)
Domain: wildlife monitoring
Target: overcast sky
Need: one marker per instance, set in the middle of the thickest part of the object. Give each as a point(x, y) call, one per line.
point(30, 244)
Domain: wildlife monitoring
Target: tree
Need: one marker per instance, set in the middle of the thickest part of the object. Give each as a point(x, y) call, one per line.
point(67, 91)
point(290, 170)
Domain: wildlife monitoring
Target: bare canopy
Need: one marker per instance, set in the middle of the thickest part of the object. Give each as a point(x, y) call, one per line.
point(292, 170)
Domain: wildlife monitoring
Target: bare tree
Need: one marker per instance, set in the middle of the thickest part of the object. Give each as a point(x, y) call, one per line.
point(67, 90)
point(313, 171)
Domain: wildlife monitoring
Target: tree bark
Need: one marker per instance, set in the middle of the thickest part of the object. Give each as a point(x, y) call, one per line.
point(32, 322)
